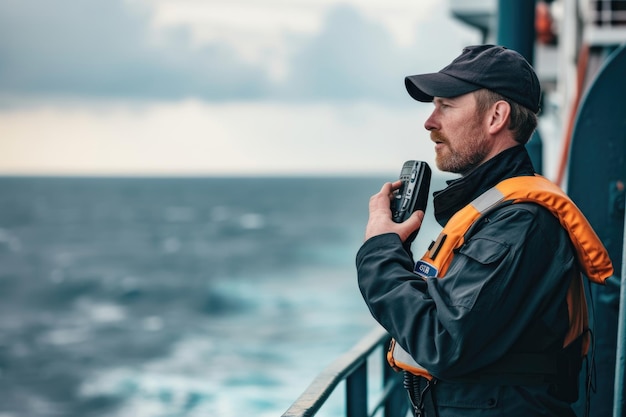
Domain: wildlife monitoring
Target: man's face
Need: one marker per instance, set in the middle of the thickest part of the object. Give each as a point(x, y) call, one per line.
point(456, 128)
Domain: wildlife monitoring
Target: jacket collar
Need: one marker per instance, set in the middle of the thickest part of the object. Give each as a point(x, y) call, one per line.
point(512, 162)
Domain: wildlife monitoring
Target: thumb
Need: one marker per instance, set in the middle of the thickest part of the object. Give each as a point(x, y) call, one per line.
point(414, 222)
point(416, 218)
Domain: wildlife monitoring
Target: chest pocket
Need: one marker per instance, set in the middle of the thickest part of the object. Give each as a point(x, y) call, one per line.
point(473, 263)
point(484, 251)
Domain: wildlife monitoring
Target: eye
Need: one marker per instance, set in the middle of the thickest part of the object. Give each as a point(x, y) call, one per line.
point(441, 103)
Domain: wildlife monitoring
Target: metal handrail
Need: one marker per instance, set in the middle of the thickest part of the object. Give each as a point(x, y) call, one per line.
point(351, 367)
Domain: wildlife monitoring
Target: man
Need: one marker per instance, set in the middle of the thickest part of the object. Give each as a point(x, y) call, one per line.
point(492, 320)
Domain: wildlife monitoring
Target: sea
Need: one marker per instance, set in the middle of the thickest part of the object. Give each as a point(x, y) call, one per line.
point(171, 297)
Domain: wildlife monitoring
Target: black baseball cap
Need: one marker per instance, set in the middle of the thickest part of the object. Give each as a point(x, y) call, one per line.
point(495, 68)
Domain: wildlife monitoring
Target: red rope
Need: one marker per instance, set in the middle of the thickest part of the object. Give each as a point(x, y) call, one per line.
point(583, 59)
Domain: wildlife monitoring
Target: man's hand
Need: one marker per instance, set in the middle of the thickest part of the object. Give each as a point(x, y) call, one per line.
point(380, 215)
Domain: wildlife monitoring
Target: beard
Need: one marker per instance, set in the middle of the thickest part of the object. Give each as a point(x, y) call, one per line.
point(461, 158)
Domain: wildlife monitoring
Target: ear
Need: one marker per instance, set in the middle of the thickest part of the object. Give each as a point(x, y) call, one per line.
point(499, 117)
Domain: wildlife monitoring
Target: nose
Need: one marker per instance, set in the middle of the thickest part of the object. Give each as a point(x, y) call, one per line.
point(431, 122)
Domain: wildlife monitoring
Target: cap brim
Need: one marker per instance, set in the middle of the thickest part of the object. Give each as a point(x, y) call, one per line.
point(424, 87)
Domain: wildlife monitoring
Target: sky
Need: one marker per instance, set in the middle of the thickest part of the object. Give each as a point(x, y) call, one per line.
point(217, 87)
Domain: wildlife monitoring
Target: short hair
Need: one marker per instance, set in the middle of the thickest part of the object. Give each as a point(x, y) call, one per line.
point(522, 120)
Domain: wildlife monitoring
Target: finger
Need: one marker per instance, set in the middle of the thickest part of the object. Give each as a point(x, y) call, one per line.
point(382, 198)
point(415, 219)
point(386, 188)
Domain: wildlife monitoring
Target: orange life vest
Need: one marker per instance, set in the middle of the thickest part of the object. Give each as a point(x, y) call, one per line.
point(592, 257)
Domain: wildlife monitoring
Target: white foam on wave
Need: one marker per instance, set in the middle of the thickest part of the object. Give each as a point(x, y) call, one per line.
point(252, 221)
point(66, 336)
point(171, 245)
point(149, 392)
point(256, 362)
point(80, 327)
point(153, 323)
point(100, 312)
point(199, 378)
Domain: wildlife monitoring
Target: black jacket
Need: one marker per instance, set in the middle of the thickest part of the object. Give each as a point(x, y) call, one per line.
point(503, 294)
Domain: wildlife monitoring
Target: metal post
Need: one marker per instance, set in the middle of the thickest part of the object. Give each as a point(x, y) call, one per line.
point(397, 403)
point(620, 380)
point(356, 392)
point(516, 30)
point(516, 26)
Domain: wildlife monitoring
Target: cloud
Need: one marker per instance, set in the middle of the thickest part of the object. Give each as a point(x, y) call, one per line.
point(351, 58)
point(90, 48)
point(357, 58)
point(93, 48)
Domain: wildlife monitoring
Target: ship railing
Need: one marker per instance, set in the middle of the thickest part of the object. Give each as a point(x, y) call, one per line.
point(351, 370)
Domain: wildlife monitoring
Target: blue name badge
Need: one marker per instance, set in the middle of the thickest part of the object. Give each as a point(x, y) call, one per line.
point(425, 270)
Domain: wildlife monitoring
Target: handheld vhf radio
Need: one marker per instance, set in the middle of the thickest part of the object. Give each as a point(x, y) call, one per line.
point(413, 193)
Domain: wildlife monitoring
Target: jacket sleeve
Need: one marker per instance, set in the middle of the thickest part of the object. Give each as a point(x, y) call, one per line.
point(512, 272)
